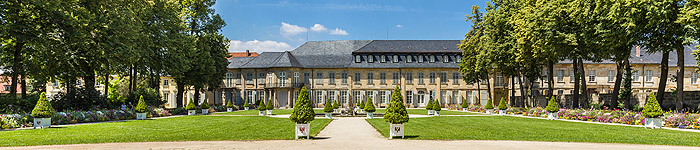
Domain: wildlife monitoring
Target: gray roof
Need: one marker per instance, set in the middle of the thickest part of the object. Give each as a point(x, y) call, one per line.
point(411, 46)
point(653, 58)
point(237, 62)
point(327, 54)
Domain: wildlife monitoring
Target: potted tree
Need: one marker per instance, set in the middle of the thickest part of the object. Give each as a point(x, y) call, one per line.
point(502, 107)
point(302, 114)
point(261, 108)
point(229, 106)
point(245, 105)
point(652, 111)
point(369, 108)
point(429, 107)
point(141, 109)
point(328, 109)
point(269, 107)
point(361, 106)
point(205, 107)
point(465, 105)
point(396, 114)
point(552, 109)
point(42, 112)
point(335, 106)
point(489, 107)
point(436, 108)
point(191, 109)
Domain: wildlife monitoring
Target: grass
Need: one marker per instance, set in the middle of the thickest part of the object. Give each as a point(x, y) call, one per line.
point(528, 129)
point(425, 112)
point(255, 112)
point(186, 128)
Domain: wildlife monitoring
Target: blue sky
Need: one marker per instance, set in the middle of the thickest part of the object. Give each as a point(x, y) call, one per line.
point(267, 25)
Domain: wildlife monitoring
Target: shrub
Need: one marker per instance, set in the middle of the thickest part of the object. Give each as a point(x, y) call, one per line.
point(430, 105)
point(262, 106)
point(369, 107)
point(652, 108)
point(328, 107)
point(489, 105)
point(245, 103)
point(502, 104)
point(17, 105)
point(362, 105)
point(150, 96)
point(436, 105)
point(205, 105)
point(269, 105)
point(464, 103)
point(190, 105)
point(552, 106)
point(141, 107)
point(303, 112)
point(396, 111)
point(229, 104)
point(336, 105)
point(82, 99)
point(43, 108)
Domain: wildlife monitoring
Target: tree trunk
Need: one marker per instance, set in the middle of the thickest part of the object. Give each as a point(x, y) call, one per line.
point(488, 86)
point(550, 78)
point(662, 79)
point(478, 93)
point(584, 89)
point(106, 83)
point(89, 79)
point(23, 82)
point(618, 81)
point(180, 92)
point(16, 68)
point(577, 83)
point(522, 91)
point(679, 78)
point(196, 95)
point(131, 78)
point(628, 70)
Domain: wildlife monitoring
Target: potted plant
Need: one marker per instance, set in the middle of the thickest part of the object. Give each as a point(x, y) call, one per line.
point(191, 109)
point(396, 114)
point(328, 109)
point(229, 106)
point(205, 107)
point(652, 111)
point(369, 108)
point(335, 106)
point(261, 108)
point(465, 106)
point(502, 107)
point(302, 114)
point(436, 108)
point(361, 106)
point(552, 109)
point(42, 112)
point(141, 109)
point(245, 105)
point(269, 107)
point(489, 107)
point(429, 107)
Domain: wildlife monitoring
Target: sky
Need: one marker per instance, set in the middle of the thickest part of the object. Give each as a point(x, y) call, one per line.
point(280, 25)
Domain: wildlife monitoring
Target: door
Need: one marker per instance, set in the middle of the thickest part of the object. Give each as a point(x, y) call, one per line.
point(282, 97)
point(421, 98)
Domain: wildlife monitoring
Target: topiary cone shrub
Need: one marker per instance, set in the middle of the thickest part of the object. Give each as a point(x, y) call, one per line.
point(302, 114)
point(369, 107)
point(436, 107)
point(552, 107)
point(229, 106)
point(361, 105)
point(190, 105)
point(502, 104)
point(328, 106)
point(205, 107)
point(269, 105)
point(651, 112)
point(245, 104)
point(336, 105)
point(141, 106)
point(489, 105)
point(429, 106)
point(464, 104)
point(396, 112)
point(261, 108)
point(43, 108)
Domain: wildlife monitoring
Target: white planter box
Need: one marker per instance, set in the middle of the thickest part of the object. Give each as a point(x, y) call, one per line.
point(302, 130)
point(430, 112)
point(246, 108)
point(502, 112)
point(205, 111)
point(42, 122)
point(465, 109)
point(362, 111)
point(335, 110)
point(329, 116)
point(395, 130)
point(140, 116)
point(489, 111)
point(653, 123)
point(191, 112)
point(229, 109)
point(269, 112)
point(261, 113)
point(436, 113)
point(553, 115)
point(370, 115)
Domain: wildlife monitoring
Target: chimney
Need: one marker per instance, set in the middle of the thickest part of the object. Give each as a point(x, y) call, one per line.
point(247, 52)
point(639, 52)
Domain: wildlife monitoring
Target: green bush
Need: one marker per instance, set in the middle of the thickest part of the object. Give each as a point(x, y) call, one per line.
point(336, 105)
point(327, 107)
point(396, 112)
point(229, 104)
point(436, 105)
point(502, 104)
point(651, 108)
point(303, 112)
point(489, 105)
point(552, 106)
point(269, 105)
point(190, 105)
point(245, 103)
point(141, 107)
point(262, 106)
point(362, 105)
point(430, 105)
point(464, 103)
point(204, 105)
point(369, 107)
point(43, 108)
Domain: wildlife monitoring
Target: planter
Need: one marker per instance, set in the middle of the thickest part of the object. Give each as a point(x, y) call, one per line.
point(329, 116)
point(269, 112)
point(502, 112)
point(191, 112)
point(302, 130)
point(430, 112)
point(395, 130)
point(362, 111)
point(436, 113)
point(205, 111)
point(335, 110)
point(261, 113)
point(42, 122)
point(553, 115)
point(653, 123)
point(229, 109)
point(489, 111)
point(246, 108)
point(140, 116)
point(465, 109)
point(370, 115)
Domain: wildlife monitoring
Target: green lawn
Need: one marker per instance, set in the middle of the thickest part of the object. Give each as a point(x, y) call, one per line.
point(528, 129)
point(425, 112)
point(255, 112)
point(186, 128)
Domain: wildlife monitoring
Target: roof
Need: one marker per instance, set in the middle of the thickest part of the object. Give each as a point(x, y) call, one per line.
point(653, 58)
point(411, 46)
point(242, 54)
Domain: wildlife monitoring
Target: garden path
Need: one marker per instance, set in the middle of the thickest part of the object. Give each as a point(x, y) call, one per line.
point(354, 133)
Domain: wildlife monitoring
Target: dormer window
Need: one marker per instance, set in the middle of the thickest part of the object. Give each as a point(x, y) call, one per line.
point(409, 58)
point(420, 58)
point(396, 58)
point(458, 59)
point(432, 58)
point(358, 58)
point(445, 58)
point(382, 59)
point(370, 58)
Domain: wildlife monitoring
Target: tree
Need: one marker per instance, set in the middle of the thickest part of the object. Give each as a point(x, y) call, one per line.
point(328, 107)
point(429, 106)
point(472, 69)
point(141, 106)
point(269, 105)
point(436, 105)
point(262, 106)
point(489, 105)
point(652, 108)
point(502, 104)
point(369, 107)
point(552, 106)
point(302, 113)
point(396, 112)
point(43, 108)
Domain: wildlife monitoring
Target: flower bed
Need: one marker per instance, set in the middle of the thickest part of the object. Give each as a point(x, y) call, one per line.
point(9, 121)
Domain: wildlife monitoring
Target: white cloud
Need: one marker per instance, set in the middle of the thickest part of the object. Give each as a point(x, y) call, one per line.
point(289, 29)
point(338, 32)
point(258, 46)
point(318, 28)
point(399, 26)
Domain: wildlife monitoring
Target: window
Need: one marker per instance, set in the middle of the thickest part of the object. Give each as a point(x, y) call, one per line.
point(319, 97)
point(382, 97)
point(370, 94)
point(456, 99)
point(455, 78)
point(382, 78)
point(283, 79)
point(444, 97)
point(357, 78)
point(445, 58)
point(165, 82)
point(409, 97)
point(382, 58)
point(296, 77)
point(409, 77)
point(635, 76)
point(166, 97)
point(421, 97)
point(469, 97)
point(343, 97)
point(560, 75)
point(332, 96)
point(370, 78)
point(694, 78)
point(421, 58)
point(432, 58)
point(648, 74)
point(249, 96)
point(249, 78)
point(7, 87)
point(420, 78)
point(237, 78)
point(395, 77)
point(357, 95)
point(307, 77)
point(261, 78)
point(499, 79)
point(443, 77)
point(358, 58)
point(409, 58)
point(270, 78)
point(55, 83)
point(319, 78)
point(344, 78)
point(331, 78)
point(396, 58)
point(611, 75)
point(432, 78)
point(77, 83)
point(370, 58)
point(260, 94)
point(591, 76)
point(458, 59)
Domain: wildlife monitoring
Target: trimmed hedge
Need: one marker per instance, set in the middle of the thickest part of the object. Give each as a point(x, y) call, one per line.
point(269, 105)
point(262, 106)
point(229, 104)
point(245, 103)
point(396, 112)
point(328, 107)
point(141, 107)
point(464, 103)
point(43, 108)
point(502, 104)
point(190, 105)
point(369, 107)
point(205, 105)
point(303, 112)
point(652, 108)
point(552, 106)
point(489, 105)
point(436, 106)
